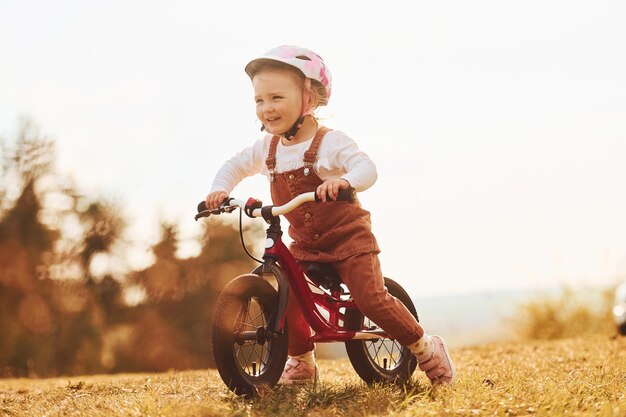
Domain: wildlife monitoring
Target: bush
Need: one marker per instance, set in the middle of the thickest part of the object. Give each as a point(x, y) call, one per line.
point(569, 314)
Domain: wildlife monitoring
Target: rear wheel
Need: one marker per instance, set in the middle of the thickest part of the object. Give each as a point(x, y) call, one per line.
point(381, 360)
point(248, 360)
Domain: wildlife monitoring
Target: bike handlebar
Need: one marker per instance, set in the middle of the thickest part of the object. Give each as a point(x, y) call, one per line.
point(230, 204)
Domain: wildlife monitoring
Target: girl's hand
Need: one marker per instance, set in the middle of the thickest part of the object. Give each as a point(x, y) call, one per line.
point(332, 187)
point(214, 199)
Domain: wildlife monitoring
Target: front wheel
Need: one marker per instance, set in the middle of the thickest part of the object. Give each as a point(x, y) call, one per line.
point(380, 360)
point(248, 364)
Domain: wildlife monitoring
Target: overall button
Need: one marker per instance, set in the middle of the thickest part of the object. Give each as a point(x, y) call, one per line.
point(316, 236)
point(307, 216)
point(291, 176)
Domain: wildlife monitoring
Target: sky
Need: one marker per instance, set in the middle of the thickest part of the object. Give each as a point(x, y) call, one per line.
point(498, 128)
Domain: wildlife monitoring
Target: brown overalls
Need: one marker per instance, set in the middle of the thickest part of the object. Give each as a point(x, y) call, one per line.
point(338, 233)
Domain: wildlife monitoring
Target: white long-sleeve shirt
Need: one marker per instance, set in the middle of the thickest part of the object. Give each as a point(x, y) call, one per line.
point(337, 157)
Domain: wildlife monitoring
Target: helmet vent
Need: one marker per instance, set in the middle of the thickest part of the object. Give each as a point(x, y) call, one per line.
point(303, 57)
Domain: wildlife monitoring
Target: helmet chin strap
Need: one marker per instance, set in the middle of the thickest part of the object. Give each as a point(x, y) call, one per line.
point(294, 129)
point(306, 110)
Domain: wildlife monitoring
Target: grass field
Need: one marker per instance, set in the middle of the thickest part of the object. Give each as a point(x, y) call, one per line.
point(574, 377)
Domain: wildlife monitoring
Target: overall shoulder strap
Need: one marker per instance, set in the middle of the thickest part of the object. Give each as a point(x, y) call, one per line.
point(310, 156)
point(271, 155)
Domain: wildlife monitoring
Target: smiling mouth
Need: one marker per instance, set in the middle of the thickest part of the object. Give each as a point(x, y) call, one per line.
point(272, 119)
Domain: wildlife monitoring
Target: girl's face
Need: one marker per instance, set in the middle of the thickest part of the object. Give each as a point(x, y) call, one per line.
point(278, 97)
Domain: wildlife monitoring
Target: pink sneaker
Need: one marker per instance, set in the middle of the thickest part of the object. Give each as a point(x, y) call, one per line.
point(438, 365)
point(298, 372)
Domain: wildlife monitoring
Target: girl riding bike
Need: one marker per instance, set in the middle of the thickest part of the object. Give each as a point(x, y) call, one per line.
point(297, 155)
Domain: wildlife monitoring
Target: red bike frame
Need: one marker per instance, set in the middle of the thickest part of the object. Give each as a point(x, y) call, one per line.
point(329, 329)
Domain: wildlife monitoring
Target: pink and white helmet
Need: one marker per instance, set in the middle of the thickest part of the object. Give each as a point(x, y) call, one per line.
point(308, 62)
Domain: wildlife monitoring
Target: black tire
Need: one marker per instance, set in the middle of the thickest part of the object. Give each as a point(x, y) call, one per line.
point(246, 304)
point(382, 360)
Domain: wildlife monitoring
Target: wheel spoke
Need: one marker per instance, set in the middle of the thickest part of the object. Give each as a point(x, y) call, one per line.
point(250, 318)
point(241, 357)
point(384, 345)
point(393, 357)
point(266, 354)
point(260, 356)
point(250, 347)
point(244, 315)
point(376, 351)
point(247, 363)
point(240, 319)
point(383, 348)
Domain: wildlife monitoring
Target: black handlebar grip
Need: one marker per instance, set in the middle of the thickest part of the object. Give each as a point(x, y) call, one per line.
point(346, 195)
point(343, 195)
point(202, 207)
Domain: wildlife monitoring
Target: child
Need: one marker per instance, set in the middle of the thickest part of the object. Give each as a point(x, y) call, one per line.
point(299, 156)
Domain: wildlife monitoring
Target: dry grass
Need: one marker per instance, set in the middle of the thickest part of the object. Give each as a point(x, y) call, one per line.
point(570, 313)
point(573, 377)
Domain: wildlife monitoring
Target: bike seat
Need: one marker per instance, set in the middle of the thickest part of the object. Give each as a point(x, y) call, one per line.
point(324, 275)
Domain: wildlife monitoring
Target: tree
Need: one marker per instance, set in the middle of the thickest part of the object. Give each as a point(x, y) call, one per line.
point(173, 326)
point(50, 323)
point(26, 246)
point(59, 317)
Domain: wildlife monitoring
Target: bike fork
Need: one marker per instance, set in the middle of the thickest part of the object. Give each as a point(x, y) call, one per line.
point(276, 323)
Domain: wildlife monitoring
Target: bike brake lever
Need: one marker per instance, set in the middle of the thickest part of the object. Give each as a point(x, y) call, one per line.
point(204, 213)
point(220, 210)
